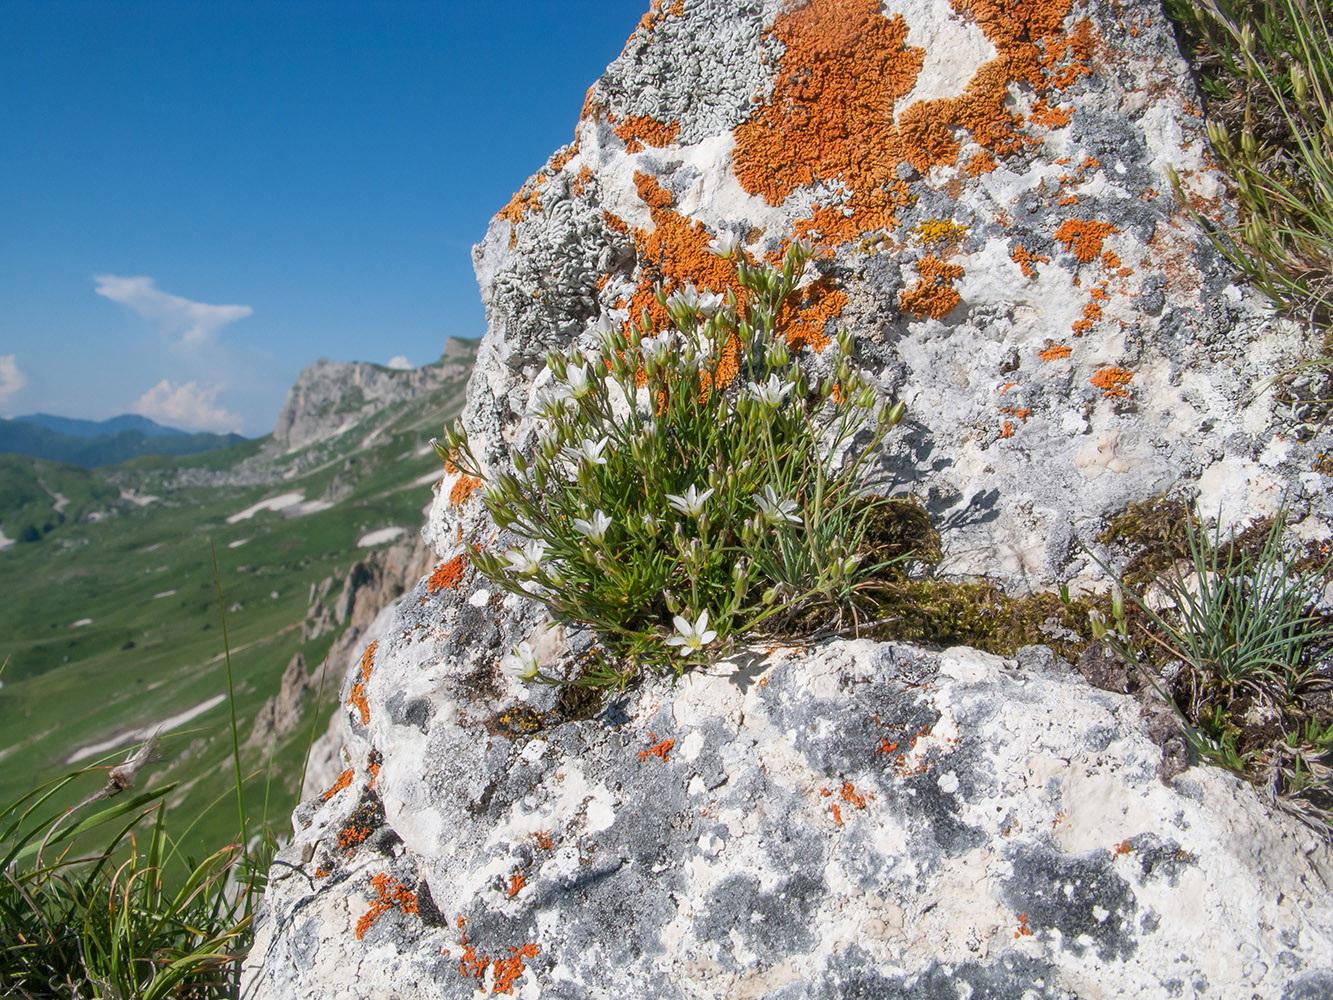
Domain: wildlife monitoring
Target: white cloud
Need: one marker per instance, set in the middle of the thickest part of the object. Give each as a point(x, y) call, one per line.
point(399, 362)
point(187, 407)
point(195, 322)
point(11, 379)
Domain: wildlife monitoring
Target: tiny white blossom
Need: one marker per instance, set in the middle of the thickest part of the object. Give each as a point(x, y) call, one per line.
point(691, 637)
point(594, 530)
point(577, 381)
point(527, 560)
point(686, 297)
point(656, 350)
point(723, 244)
point(772, 392)
point(776, 510)
point(589, 451)
point(692, 502)
point(521, 663)
point(710, 303)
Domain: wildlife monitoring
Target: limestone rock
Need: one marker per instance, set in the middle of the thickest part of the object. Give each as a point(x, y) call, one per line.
point(330, 396)
point(989, 184)
point(853, 820)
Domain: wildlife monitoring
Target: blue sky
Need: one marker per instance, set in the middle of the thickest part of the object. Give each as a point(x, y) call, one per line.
point(199, 198)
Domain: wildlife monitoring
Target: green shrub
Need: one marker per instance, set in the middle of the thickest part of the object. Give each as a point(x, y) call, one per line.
point(692, 485)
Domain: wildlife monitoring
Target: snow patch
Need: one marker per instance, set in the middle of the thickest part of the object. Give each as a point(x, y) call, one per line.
point(280, 502)
point(80, 623)
point(165, 593)
point(143, 732)
point(379, 537)
point(138, 499)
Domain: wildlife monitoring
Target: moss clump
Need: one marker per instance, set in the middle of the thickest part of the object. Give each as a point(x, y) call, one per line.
point(1155, 532)
point(981, 615)
point(899, 530)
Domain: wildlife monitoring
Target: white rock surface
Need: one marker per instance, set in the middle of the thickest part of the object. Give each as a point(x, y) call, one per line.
point(1002, 240)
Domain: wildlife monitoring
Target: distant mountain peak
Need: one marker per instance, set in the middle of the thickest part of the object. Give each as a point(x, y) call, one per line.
point(96, 428)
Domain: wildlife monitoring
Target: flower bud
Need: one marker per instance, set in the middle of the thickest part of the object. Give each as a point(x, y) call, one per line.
point(1097, 622)
point(520, 464)
point(672, 602)
point(895, 413)
point(441, 451)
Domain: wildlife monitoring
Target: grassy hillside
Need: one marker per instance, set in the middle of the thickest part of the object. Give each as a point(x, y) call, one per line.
point(113, 623)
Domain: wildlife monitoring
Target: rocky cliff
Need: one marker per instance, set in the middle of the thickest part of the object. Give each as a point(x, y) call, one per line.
point(331, 396)
point(988, 185)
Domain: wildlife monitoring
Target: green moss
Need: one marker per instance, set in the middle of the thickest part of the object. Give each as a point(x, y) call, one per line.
point(981, 615)
point(900, 529)
point(1154, 532)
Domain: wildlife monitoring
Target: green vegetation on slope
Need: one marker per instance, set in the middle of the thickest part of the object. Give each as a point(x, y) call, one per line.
point(112, 624)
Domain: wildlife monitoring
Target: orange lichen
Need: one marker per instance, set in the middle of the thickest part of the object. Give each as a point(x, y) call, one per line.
point(1069, 199)
point(356, 698)
point(844, 64)
point(447, 574)
point(1121, 848)
point(506, 970)
point(837, 813)
point(660, 750)
point(563, 157)
point(638, 131)
point(524, 200)
point(582, 181)
point(1023, 930)
point(981, 163)
point(343, 781)
point(849, 794)
point(1055, 352)
point(1112, 381)
point(804, 317)
point(516, 883)
point(886, 747)
point(463, 489)
point(390, 893)
point(1084, 239)
point(1007, 431)
point(934, 294)
point(1025, 260)
point(543, 840)
point(1048, 116)
point(1110, 260)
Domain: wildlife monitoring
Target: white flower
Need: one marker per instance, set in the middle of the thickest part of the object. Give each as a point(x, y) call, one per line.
point(577, 381)
point(772, 392)
point(521, 664)
point(589, 451)
point(527, 560)
point(691, 503)
point(686, 297)
point(723, 244)
point(656, 349)
point(691, 637)
point(595, 530)
point(710, 303)
point(775, 510)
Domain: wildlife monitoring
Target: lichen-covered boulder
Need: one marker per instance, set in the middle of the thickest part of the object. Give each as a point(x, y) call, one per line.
point(987, 182)
point(851, 820)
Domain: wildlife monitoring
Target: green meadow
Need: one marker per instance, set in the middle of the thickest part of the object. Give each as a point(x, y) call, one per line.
point(111, 621)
